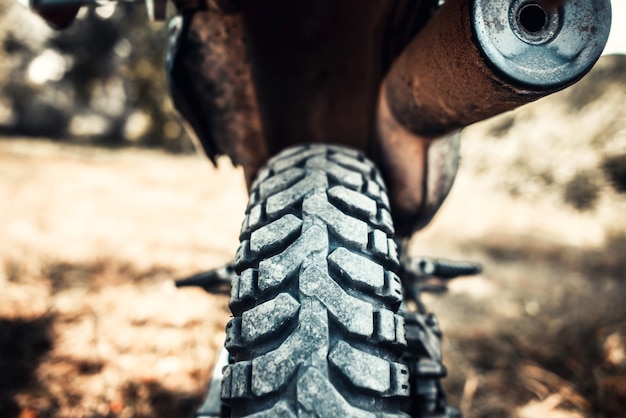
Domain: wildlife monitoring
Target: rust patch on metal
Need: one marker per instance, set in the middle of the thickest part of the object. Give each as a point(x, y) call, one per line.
point(441, 83)
point(212, 72)
point(419, 171)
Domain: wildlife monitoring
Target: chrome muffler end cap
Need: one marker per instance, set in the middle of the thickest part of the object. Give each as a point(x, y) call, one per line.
point(538, 47)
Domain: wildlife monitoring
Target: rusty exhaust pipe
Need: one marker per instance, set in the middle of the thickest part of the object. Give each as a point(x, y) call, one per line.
point(474, 60)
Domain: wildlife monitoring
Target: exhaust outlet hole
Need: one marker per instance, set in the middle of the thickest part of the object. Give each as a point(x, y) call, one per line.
point(533, 18)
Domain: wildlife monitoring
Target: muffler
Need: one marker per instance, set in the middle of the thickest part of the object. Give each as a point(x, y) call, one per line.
point(479, 58)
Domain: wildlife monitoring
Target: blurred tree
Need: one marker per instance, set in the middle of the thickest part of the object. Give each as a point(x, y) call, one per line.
point(101, 81)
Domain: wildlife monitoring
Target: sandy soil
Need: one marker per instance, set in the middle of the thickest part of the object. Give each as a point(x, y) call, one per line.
point(91, 240)
point(90, 322)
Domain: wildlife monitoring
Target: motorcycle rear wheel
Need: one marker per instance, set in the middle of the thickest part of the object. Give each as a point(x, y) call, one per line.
point(315, 329)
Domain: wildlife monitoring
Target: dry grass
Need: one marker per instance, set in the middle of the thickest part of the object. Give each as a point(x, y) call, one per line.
point(90, 322)
point(121, 348)
point(542, 332)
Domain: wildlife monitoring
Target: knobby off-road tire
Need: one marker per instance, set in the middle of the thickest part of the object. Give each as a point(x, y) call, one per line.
point(315, 330)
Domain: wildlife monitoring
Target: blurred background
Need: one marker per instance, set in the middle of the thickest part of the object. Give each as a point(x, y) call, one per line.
point(101, 81)
point(104, 202)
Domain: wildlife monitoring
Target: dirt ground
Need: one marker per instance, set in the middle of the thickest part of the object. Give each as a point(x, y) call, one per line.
point(92, 239)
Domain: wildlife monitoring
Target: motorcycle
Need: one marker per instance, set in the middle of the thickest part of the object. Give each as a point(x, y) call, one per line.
point(345, 116)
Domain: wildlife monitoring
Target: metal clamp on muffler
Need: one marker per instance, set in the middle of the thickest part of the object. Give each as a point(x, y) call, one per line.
point(541, 45)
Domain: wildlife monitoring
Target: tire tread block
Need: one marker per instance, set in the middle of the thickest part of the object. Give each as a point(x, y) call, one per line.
point(285, 162)
point(275, 234)
point(242, 289)
point(372, 189)
point(355, 315)
point(272, 370)
point(378, 244)
point(339, 174)
point(283, 201)
point(352, 231)
point(349, 162)
point(276, 269)
point(362, 369)
point(236, 380)
point(253, 220)
point(319, 398)
point(269, 317)
point(280, 410)
point(280, 181)
point(384, 221)
point(393, 287)
point(360, 270)
point(352, 201)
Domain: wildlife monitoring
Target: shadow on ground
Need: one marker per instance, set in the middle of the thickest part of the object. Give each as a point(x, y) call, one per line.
point(112, 341)
point(552, 343)
point(32, 380)
point(23, 344)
